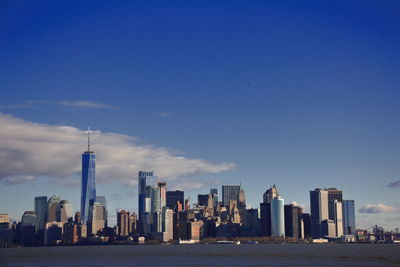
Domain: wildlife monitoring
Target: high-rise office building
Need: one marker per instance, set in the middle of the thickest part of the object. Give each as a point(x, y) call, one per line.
point(41, 208)
point(305, 217)
point(270, 194)
point(96, 218)
point(242, 199)
point(349, 221)
point(52, 208)
point(338, 218)
point(157, 222)
point(123, 223)
point(162, 186)
point(154, 193)
point(277, 217)
point(234, 212)
point(214, 193)
point(146, 178)
point(168, 227)
point(173, 197)
point(230, 192)
point(333, 194)
point(147, 205)
point(210, 201)
point(202, 199)
point(29, 219)
point(64, 211)
point(292, 221)
point(88, 186)
point(28, 234)
point(265, 219)
point(102, 200)
point(133, 224)
point(319, 210)
point(328, 228)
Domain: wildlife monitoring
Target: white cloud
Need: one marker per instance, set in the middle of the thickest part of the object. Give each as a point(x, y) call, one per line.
point(30, 149)
point(11, 180)
point(298, 204)
point(377, 208)
point(86, 104)
point(394, 184)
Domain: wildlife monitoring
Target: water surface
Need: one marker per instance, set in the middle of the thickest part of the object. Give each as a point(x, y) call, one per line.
point(206, 255)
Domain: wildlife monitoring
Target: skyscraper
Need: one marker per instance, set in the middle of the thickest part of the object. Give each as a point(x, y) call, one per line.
point(102, 200)
point(242, 198)
point(145, 179)
point(214, 193)
point(277, 217)
point(230, 192)
point(319, 210)
point(168, 227)
point(52, 208)
point(292, 221)
point(202, 199)
point(123, 223)
point(64, 211)
point(349, 220)
point(173, 197)
point(163, 193)
point(265, 210)
point(88, 192)
point(270, 194)
point(96, 218)
point(265, 219)
point(333, 194)
point(29, 219)
point(154, 193)
point(41, 207)
point(338, 212)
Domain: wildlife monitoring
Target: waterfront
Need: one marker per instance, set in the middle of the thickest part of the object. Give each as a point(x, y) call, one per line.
point(206, 255)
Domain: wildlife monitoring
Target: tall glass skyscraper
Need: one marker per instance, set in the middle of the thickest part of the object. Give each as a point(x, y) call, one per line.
point(277, 217)
point(88, 193)
point(145, 179)
point(349, 216)
point(41, 207)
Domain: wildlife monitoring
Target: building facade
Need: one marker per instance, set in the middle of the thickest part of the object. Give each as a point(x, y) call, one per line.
point(145, 178)
point(270, 194)
point(64, 211)
point(52, 208)
point(173, 197)
point(338, 218)
point(123, 223)
point(88, 185)
point(349, 217)
point(277, 217)
point(230, 192)
point(319, 210)
point(96, 218)
point(292, 221)
point(41, 207)
point(102, 200)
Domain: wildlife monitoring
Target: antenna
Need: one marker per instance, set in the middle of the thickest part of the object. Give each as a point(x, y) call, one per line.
point(88, 139)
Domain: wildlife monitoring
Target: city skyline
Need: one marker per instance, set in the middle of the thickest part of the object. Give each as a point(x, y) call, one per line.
point(155, 179)
point(254, 94)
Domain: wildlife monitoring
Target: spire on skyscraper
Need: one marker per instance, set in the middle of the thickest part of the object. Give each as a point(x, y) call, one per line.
point(88, 138)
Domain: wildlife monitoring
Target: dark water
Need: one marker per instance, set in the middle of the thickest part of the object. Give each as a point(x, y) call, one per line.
point(206, 255)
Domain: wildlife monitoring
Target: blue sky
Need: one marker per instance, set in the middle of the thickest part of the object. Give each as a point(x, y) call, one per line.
point(298, 94)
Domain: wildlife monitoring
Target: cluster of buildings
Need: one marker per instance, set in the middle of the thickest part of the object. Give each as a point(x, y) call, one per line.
point(167, 216)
